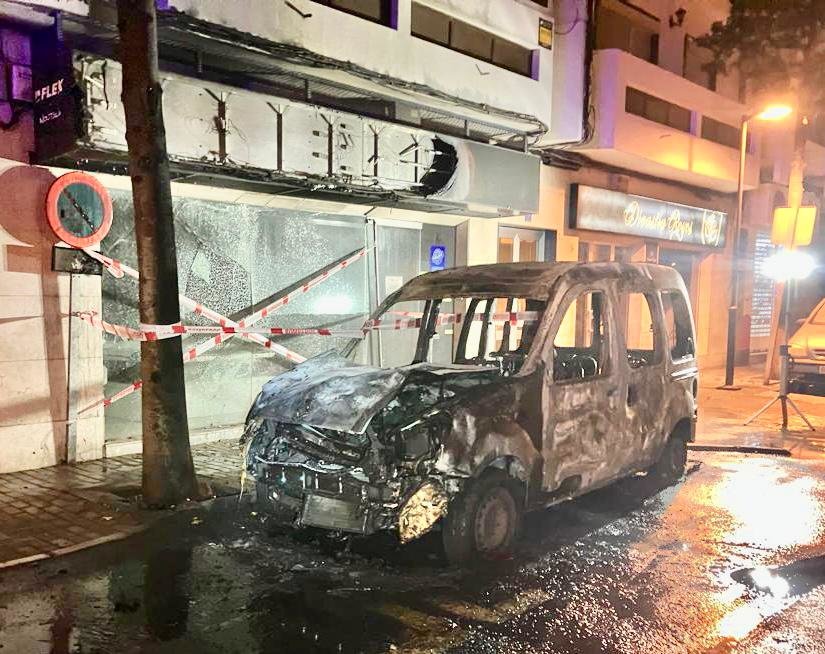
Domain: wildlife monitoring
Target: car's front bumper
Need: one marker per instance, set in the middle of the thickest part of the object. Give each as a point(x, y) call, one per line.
point(303, 497)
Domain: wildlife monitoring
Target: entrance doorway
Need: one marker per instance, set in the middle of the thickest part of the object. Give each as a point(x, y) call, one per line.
point(683, 261)
point(517, 245)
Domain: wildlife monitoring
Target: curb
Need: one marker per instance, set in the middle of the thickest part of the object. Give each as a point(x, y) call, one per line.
point(110, 538)
point(742, 449)
point(4, 565)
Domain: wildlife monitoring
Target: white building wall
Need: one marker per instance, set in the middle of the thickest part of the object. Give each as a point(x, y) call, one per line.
point(398, 54)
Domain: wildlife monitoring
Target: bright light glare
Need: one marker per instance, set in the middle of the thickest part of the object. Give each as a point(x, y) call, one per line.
point(788, 264)
point(766, 581)
point(775, 112)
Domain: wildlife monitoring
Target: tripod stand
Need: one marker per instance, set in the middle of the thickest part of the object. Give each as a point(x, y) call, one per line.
point(782, 397)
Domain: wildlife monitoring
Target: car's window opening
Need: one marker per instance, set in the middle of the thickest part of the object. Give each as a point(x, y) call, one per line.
point(641, 337)
point(481, 331)
point(678, 325)
point(428, 329)
point(580, 347)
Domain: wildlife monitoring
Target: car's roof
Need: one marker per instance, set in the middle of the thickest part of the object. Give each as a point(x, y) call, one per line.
point(531, 280)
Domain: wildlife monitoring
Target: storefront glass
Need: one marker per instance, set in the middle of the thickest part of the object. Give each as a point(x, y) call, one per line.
point(232, 257)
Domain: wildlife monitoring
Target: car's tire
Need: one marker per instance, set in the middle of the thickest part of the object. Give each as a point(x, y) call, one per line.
point(670, 466)
point(484, 521)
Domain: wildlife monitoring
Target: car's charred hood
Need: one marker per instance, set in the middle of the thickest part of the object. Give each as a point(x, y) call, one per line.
point(331, 392)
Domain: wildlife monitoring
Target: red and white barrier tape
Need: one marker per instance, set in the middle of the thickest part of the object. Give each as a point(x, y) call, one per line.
point(118, 269)
point(513, 317)
point(161, 332)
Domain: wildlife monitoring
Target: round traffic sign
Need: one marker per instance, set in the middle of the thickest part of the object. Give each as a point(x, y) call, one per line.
point(79, 209)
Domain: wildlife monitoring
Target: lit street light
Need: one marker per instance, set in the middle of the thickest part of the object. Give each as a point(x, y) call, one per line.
point(773, 112)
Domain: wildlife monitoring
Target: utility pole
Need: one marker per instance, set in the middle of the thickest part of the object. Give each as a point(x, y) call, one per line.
point(168, 472)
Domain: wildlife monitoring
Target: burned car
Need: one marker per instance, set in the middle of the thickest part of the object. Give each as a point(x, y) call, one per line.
point(499, 389)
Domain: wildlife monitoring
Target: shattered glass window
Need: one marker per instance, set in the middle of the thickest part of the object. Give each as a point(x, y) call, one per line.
point(581, 346)
point(235, 258)
point(678, 325)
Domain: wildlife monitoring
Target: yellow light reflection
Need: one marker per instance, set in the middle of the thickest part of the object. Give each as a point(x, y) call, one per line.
point(775, 112)
point(766, 509)
point(739, 623)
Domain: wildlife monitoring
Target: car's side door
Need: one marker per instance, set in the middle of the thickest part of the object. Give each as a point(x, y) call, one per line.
point(582, 393)
point(642, 354)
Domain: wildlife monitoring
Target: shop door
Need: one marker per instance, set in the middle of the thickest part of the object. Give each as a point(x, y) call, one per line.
point(682, 261)
point(402, 252)
point(525, 245)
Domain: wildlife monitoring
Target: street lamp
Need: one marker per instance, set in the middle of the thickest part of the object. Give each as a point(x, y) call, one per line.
point(771, 112)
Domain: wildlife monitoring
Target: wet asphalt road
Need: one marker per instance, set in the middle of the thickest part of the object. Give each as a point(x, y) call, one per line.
point(729, 560)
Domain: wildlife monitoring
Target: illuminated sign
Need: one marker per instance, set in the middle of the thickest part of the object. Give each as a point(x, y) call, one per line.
point(621, 213)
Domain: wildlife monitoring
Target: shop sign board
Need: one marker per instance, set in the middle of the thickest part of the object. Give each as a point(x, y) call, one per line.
point(602, 210)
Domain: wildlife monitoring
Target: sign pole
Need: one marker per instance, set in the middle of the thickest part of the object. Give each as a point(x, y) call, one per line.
point(736, 250)
point(71, 396)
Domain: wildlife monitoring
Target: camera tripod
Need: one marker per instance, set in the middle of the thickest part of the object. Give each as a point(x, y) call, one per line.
point(782, 397)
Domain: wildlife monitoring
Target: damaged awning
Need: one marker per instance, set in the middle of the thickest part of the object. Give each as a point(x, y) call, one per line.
point(277, 131)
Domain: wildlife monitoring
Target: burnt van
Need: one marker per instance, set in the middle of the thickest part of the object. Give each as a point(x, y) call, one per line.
point(478, 394)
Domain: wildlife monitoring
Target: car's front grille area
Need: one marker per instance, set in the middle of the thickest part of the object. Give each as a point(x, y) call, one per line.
point(325, 446)
point(297, 480)
point(818, 353)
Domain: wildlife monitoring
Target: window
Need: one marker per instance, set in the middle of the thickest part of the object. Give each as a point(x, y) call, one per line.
point(499, 331)
point(640, 330)
point(541, 3)
point(378, 11)
point(656, 109)
point(629, 29)
point(678, 325)
point(580, 349)
point(722, 133)
point(472, 41)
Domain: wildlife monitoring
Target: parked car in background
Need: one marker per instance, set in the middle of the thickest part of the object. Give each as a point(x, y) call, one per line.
point(513, 387)
point(807, 351)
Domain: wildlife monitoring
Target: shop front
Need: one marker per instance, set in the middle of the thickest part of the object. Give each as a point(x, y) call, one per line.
point(613, 225)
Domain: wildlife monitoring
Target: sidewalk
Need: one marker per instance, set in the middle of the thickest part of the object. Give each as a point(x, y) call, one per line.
point(722, 414)
point(54, 511)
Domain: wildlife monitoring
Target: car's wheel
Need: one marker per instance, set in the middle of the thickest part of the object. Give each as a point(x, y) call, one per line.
point(671, 464)
point(483, 522)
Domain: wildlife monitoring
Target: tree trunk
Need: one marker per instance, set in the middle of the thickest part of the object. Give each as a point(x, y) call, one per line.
point(168, 472)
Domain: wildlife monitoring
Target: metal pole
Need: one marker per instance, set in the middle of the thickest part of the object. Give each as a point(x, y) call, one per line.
point(730, 356)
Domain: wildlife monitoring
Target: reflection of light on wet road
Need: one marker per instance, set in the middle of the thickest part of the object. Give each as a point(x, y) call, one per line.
point(739, 623)
point(767, 509)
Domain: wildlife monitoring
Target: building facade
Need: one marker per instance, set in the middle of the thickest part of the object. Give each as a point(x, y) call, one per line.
point(298, 132)
point(493, 130)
